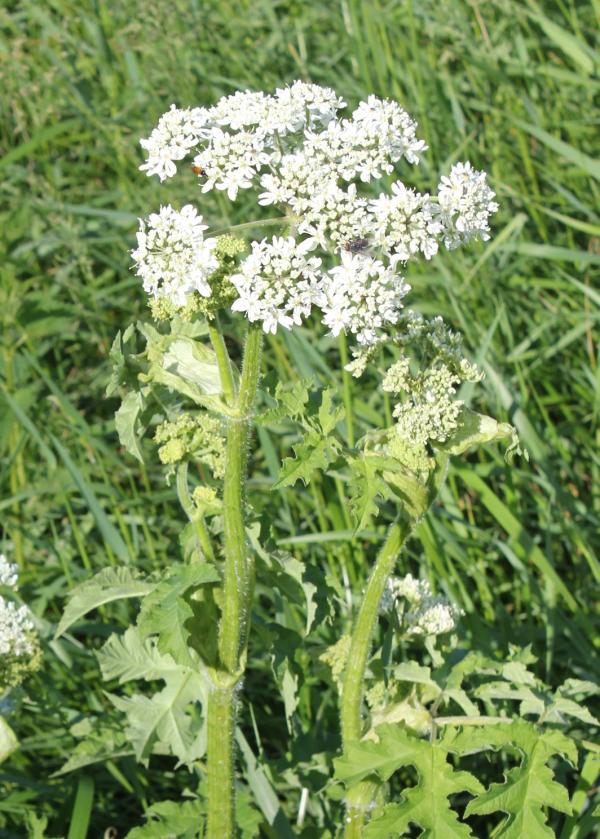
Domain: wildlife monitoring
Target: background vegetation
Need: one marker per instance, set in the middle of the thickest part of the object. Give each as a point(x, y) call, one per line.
point(508, 85)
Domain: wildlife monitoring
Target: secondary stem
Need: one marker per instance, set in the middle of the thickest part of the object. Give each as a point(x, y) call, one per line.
point(360, 797)
point(223, 360)
point(238, 584)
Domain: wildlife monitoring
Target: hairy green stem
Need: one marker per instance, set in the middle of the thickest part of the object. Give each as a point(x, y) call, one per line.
point(360, 798)
point(219, 753)
point(238, 584)
point(239, 572)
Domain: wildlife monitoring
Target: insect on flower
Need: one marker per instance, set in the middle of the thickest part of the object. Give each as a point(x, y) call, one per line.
point(198, 170)
point(356, 245)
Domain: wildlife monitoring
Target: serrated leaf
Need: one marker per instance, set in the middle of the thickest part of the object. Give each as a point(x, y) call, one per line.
point(101, 743)
point(171, 820)
point(313, 453)
point(126, 423)
point(329, 414)
point(366, 485)
point(296, 570)
point(108, 585)
point(528, 788)
point(163, 718)
point(127, 657)
point(165, 612)
point(427, 803)
point(291, 400)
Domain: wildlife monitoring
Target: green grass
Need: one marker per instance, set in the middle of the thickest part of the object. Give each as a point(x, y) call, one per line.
point(510, 86)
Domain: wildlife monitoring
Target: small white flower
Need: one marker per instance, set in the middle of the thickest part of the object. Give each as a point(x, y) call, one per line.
point(240, 110)
point(177, 133)
point(336, 216)
point(301, 105)
point(407, 223)
point(9, 572)
point(172, 257)
point(277, 283)
point(16, 627)
point(362, 295)
point(231, 161)
point(466, 204)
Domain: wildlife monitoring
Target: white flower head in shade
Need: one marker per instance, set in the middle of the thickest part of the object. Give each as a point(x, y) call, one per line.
point(466, 204)
point(172, 256)
point(16, 627)
point(421, 612)
point(361, 296)
point(177, 133)
point(9, 573)
point(19, 645)
point(278, 283)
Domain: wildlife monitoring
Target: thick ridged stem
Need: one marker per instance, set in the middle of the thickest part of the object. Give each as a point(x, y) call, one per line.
point(219, 754)
point(360, 798)
point(238, 584)
point(239, 570)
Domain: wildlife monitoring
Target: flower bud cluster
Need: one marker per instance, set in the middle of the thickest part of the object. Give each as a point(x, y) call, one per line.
point(421, 612)
point(19, 645)
point(199, 436)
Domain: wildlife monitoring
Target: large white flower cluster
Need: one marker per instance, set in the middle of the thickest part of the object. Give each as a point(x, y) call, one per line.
point(295, 149)
point(278, 283)
point(19, 646)
point(172, 256)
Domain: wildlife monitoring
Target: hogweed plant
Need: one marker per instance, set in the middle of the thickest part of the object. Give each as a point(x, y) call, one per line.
point(339, 257)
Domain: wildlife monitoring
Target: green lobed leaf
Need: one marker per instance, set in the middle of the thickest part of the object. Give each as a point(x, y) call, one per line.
point(366, 485)
point(127, 657)
point(171, 820)
point(166, 611)
point(313, 453)
point(108, 585)
point(528, 788)
point(164, 718)
point(329, 414)
point(426, 804)
point(127, 421)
